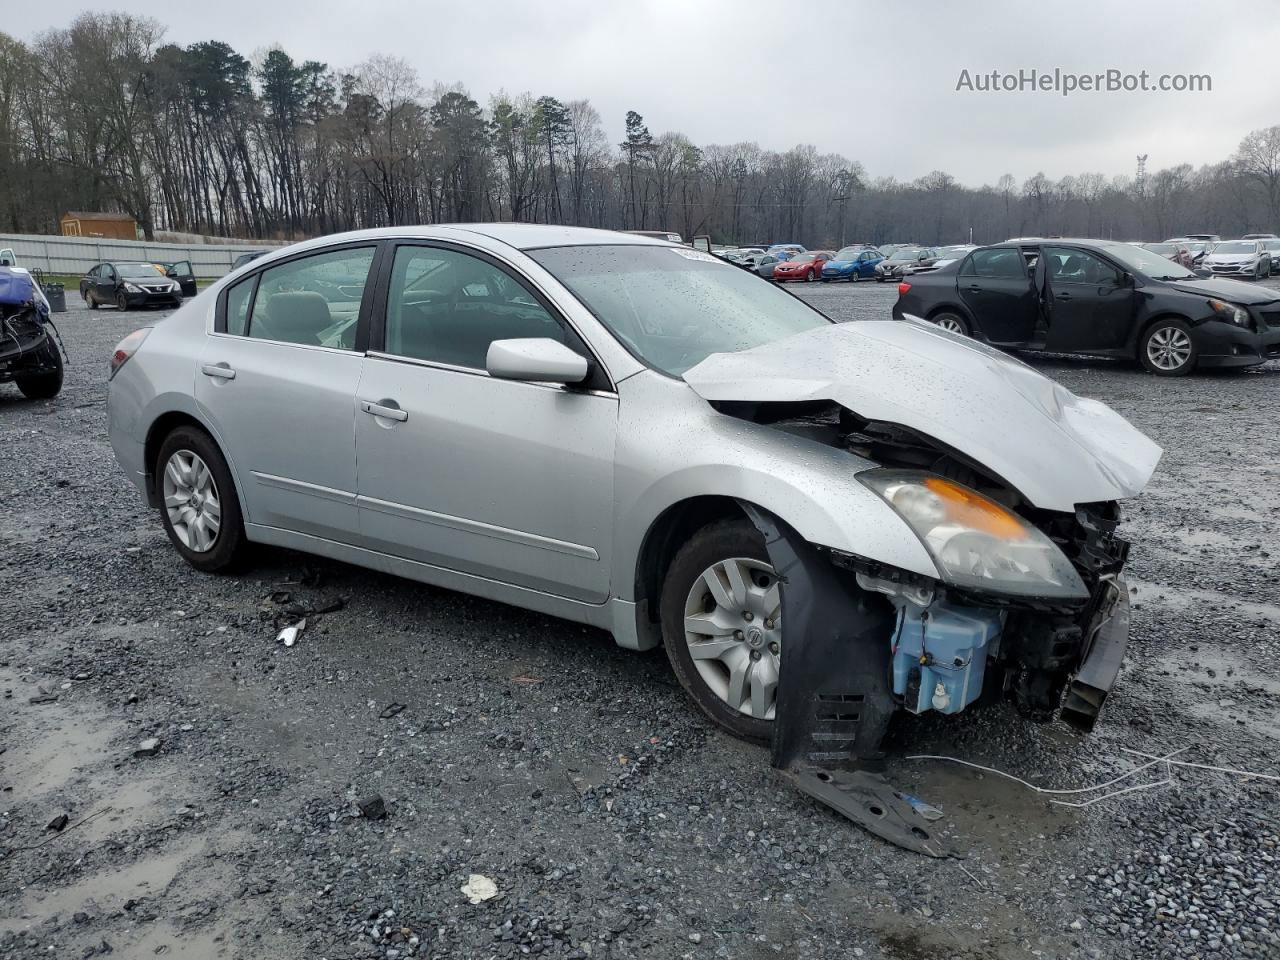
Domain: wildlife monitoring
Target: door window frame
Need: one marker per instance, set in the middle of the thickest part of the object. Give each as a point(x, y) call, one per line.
point(379, 247)
point(597, 380)
point(1121, 272)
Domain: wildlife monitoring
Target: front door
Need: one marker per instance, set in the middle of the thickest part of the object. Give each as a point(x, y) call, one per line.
point(506, 480)
point(278, 384)
point(996, 287)
point(1090, 302)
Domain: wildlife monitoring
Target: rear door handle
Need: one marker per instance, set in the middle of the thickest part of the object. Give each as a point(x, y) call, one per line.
point(974, 288)
point(221, 371)
point(384, 410)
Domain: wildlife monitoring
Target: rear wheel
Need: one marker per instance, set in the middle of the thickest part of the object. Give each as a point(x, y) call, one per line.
point(198, 507)
point(722, 626)
point(42, 386)
point(1167, 349)
point(952, 322)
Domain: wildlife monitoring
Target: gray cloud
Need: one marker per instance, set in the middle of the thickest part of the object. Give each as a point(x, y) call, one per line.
point(873, 82)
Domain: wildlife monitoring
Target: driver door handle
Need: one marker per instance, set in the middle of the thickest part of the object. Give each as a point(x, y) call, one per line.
point(1064, 296)
point(974, 288)
point(384, 410)
point(219, 371)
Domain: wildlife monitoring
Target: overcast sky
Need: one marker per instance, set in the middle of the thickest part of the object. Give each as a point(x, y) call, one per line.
point(875, 82)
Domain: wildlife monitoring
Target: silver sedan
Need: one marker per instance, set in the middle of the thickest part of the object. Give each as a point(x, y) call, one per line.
point(634, 434)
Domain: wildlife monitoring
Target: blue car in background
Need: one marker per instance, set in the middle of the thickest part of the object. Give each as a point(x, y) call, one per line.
point(853, 264)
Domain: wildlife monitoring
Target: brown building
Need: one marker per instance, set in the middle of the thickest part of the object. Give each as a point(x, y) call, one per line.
point(112, 226)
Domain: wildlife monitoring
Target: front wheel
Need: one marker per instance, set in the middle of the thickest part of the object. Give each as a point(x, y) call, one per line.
point(722, 626)
point(122, 302)
point(1168, 350)
point(89, 300)
point(43, 386)
point(198, 507)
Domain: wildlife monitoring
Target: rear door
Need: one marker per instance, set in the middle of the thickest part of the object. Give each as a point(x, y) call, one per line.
point(997, 288)
point(1090, 301)
point(277, 380)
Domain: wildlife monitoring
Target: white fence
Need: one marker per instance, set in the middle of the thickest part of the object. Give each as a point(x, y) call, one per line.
point(76, 255)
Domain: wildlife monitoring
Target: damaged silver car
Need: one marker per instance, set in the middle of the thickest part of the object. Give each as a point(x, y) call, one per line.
point(822, 523)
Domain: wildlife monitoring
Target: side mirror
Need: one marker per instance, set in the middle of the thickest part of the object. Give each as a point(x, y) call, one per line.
point(538, 359)
point(702, 243)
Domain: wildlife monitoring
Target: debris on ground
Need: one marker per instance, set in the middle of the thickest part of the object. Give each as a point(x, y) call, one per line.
point(390, 710)
point(373, 807)
point(479, 888)
point(148, 747)
point(290, 634)
point(59, 823)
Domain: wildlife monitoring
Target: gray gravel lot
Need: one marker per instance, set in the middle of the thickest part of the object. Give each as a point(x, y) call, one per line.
point(613, 820)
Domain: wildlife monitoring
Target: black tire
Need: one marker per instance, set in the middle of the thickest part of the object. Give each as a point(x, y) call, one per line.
point(43, 386)
point(810, 276)
point(938, 318)
point(1156, 330)
point(715, 542)
point(230, 543)
point(90, 300)
point(122, 302)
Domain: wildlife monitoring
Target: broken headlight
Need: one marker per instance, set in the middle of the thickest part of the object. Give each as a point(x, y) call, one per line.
point(975, 542)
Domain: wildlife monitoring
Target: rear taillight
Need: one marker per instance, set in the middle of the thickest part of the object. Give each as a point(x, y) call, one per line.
point(126, 348)
point(903, 288)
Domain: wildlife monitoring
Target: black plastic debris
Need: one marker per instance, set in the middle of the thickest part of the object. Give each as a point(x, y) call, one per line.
point(373, 807)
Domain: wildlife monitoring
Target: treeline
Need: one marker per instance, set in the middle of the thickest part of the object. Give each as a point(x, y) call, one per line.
point(103, 115)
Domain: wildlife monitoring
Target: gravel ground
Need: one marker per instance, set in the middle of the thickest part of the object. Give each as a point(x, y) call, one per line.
point(613, 821)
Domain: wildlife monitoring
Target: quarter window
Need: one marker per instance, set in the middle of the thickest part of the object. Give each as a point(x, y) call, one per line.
point(313, 300)
point(238, 299)
point(447, 307)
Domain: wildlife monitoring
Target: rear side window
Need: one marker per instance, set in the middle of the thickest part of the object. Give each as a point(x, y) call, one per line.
point(314, 301)
point(1003, 263)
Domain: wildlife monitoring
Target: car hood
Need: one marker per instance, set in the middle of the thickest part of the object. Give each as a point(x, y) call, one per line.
point(1232, 257)
point(1055, 448)
point(1237, 291)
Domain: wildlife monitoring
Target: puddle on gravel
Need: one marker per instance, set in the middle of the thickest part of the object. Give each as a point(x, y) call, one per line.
point(82, 742)
point(106, 890)
point(1144, 593)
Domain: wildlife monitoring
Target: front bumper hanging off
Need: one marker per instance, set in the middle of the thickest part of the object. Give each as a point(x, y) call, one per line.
point(835, 695)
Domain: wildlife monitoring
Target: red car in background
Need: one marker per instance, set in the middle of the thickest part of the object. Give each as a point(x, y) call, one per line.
point(803, 266)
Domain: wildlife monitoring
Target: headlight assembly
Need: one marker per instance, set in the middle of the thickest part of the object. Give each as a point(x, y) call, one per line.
point(975, 542)
point(1230, 312)
point(132, 287)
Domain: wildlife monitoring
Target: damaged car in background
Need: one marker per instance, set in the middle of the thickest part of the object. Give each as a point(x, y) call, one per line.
point(821, 523)
point(30, 355)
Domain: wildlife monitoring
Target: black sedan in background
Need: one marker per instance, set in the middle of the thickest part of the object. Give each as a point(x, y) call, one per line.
point(1098, 298)
point(129, 284)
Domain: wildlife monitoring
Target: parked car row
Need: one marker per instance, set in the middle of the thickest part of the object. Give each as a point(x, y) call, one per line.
point(1254, 256)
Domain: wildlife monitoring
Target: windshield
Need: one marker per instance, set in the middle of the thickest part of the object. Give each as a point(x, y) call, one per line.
point(1236, 247)
point(906, 253)
point(1164, 249)
point(804, 258)
point(673, 308)
point(848, 253)
point(144, 271)
point(1147, 262)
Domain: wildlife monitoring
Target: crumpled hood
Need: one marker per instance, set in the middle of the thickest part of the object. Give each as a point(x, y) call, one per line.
point(1055, 448)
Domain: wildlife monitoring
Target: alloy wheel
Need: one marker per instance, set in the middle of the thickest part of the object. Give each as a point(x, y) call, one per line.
point(949, 323)
point(733, 628)
point(191, 501)
point(1169, 348)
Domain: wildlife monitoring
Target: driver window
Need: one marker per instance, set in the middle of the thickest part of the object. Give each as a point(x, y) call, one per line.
point(1078, 266)
point(1001, 262)
point(447, 307)
point(313, 301)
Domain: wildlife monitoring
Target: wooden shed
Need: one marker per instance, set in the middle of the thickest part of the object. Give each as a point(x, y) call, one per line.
point(113, 226)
